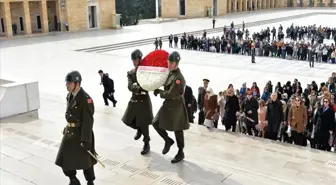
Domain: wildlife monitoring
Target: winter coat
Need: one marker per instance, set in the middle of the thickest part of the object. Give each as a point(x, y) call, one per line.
point(274, 115)
point(297, 118)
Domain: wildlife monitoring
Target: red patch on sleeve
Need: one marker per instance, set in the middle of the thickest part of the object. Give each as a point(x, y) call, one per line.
point(178, 82)
point(90, 100)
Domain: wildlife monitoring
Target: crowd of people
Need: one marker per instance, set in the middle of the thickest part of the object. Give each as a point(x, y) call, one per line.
point(287, 112)
point(296, 42)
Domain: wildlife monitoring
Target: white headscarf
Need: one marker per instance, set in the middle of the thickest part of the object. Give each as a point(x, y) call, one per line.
point(209, 89)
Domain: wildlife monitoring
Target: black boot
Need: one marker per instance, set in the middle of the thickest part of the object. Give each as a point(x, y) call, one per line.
point(137, 135)
point(167, 146)
point(90, 183)
point(74, 181)
point(145, 149)
point(178, 157)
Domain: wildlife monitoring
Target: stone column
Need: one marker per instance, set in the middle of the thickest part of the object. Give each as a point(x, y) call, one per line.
point(294, 3)
point(228, 4)
point(250, 4)
point(240, 5)
point(263, 4)
point(304, 3)
point(245, 5)
point(8, 19)
point(44, 16)
point(234, 5)
point(315, 3)
point(27, 21)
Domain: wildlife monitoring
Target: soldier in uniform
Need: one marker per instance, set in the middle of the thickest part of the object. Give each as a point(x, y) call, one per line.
point(78, 138)
point(139, 114)
point(253, 53)
point(172, 115)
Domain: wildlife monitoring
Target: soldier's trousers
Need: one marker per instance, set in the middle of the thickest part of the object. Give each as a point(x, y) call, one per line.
point(144, 129)
point(179, 136)
point(88, 174)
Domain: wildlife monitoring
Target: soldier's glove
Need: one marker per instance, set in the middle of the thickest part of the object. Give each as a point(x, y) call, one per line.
point(86, 145)
point(157, 91)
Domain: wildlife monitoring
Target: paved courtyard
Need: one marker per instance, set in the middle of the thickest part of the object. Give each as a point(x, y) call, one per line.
point(29, 145)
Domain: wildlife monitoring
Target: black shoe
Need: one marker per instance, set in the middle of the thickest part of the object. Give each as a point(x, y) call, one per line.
point(137, 135)
point(106, 104)
point(90, 183)
point(178, 157)
point(74, 181)
point(167, 146)
point(145, 149)
point(114, 104)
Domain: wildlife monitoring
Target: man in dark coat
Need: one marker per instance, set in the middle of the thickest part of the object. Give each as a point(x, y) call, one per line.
point(200, 101)
point(138, 114)
point(250, 108)
point(274, 117)
point(172, 115)
point(108, 84)
point(188, 98)
point(78, 138)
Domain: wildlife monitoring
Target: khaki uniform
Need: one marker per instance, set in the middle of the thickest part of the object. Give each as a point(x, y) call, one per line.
point(172, 115)
point(71, 155)
point(139, 113)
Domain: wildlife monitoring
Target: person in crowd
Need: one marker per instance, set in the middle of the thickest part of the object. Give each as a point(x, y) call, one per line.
point(189, 101)
point(221, 104)
point(325, 124)
point(262, 125)
point(297, 121)
point(201, 101)
point(250, 108)
point(274, 117)
point(211, 109)
point(231, 110)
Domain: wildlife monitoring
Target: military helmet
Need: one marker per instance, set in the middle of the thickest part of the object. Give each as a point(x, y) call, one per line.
point(174, 57)
point(136, 54)
point(73, 76)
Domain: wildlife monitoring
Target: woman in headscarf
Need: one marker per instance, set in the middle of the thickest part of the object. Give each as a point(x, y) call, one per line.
point(211, 109)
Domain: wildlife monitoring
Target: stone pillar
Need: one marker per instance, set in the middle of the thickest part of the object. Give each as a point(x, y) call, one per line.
point(263, 4)
point(234, 5)
point(304, 3)
point(294, 3)
point(245, 5)
point(315, 3)
point(250, 4)
point(240, 5)
point(228, 8)
point(8, 19)
point(27, 21)
point(44, 16)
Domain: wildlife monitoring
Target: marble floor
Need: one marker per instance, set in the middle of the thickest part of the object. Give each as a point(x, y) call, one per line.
point(29, 145)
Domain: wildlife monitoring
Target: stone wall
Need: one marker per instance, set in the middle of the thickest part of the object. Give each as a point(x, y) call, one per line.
point(197, 8)
point(169, 8)
point(106, 9)
point(77, 12)
point(35, 10)
point(16, 9)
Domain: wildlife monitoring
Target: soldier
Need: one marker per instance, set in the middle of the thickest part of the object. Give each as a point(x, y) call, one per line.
point(139, 114)
point(172, 115)
point(78, 138)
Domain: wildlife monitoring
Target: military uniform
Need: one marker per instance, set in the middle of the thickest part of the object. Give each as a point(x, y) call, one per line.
point(139, 113)
point(172, 115)
point(78, 136)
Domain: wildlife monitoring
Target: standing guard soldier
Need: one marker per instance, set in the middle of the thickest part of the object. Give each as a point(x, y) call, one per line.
point(139, 113)
point(172, 115)
point(78, 138)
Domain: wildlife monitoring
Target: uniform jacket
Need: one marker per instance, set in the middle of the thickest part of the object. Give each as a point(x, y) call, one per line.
point(71, 155)
point(139, 109)
point(107, 83)
point(188, 99)
point(172, 115)
point(297, 118)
